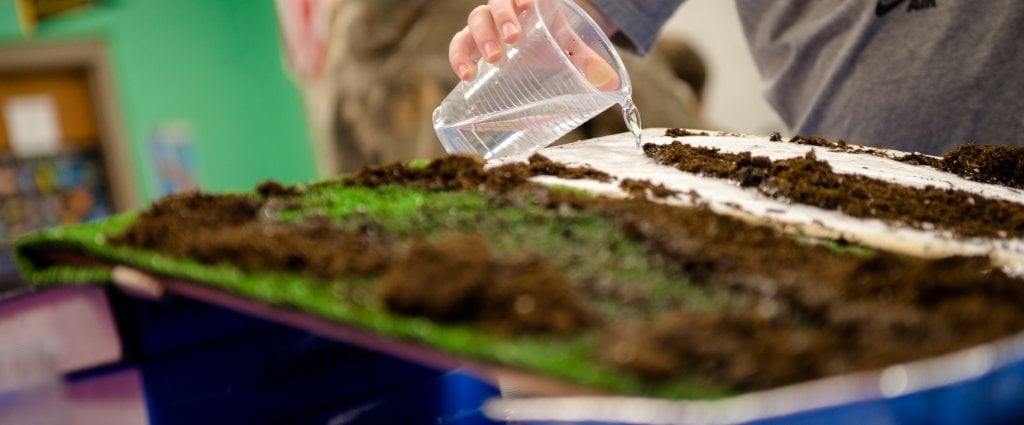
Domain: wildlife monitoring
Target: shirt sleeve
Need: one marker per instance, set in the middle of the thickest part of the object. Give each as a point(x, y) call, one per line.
point(639, 21)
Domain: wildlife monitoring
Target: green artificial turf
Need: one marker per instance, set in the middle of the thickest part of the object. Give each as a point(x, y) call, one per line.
point(584, 245)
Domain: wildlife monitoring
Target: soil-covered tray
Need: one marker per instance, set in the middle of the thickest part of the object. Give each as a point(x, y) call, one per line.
point(600, 265)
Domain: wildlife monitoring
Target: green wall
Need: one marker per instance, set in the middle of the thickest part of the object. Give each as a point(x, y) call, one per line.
point(215, 64)
point(8, 19)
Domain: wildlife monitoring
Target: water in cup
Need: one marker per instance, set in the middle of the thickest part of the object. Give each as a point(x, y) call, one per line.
point(544, 88)
point(524, 128)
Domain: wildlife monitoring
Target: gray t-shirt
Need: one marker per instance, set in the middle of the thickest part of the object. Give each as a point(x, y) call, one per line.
point(915, 75)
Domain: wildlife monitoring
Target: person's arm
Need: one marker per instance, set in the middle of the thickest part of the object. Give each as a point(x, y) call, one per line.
point(638, 22)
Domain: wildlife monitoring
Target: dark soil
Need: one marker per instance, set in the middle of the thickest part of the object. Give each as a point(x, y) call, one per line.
point(808, 308)
point(1002, 165)
point(271, 188)
point(813, 309)
point(643, 188)
point(682, 132)
point(807, 180)
point(458, 279)
point(466, 172)
point(838, 145)
point(231, 229)
point(455, 172)
point(819, 141)
point(542, 166)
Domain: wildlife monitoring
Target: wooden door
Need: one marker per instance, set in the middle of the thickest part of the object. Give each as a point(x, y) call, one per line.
point(77, 171)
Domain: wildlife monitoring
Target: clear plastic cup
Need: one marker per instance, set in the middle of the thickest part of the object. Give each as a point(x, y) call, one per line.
point(560, 73)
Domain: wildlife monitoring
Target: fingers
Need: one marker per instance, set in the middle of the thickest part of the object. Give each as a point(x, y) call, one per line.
point(505, 14)
point(598, 71)
point(488, 27)
point(485, 34)
point(462, 54)
point(491, 25)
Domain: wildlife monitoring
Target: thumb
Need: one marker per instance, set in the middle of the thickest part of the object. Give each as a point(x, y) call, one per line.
point(594, 67)
point(599, 72)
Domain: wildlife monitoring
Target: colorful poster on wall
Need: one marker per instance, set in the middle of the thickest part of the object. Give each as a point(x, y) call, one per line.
point(42, 192)
point(32, 125)
point(173, 158)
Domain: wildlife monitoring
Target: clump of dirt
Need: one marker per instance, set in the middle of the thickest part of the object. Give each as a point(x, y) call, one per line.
point(819, 141)
point(447, 173)
point(231, 229)
point(921, 159)
point(839, 145)
point(540, 165)
point(682, 132)
point(987, 164)
point(641, 188)
point(272, 188)
point(710, 162)
point(458, 279)
point(442, 281)
point(455, 172)
point(807, 180)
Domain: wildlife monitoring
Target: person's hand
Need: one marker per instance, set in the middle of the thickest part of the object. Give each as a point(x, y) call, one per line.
point(488, 27)
point(491, 25)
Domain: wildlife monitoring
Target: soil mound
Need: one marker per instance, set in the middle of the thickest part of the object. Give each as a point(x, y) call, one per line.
point(458, 279)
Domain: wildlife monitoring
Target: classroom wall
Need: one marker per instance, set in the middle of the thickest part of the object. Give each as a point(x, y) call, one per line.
point(214, 66)
point(8, 20)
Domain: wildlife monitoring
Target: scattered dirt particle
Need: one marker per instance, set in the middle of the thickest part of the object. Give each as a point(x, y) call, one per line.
point(643, 188)
point(272, 188)
point(921, 159)
point(682, 132)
